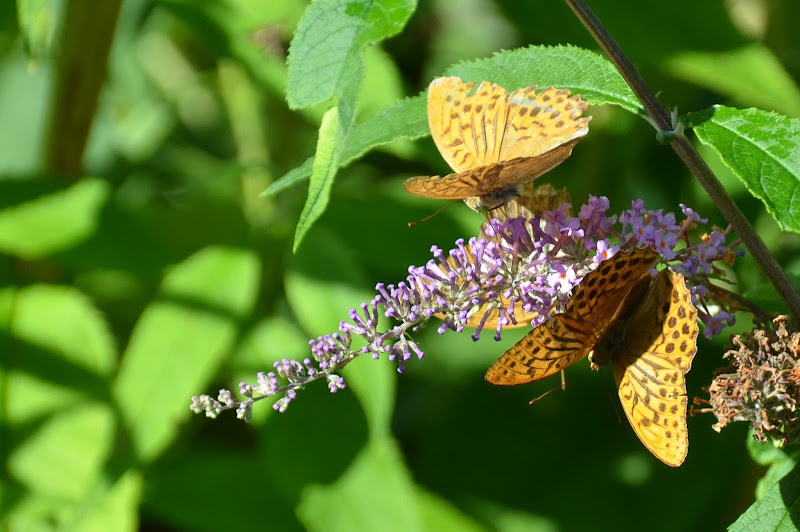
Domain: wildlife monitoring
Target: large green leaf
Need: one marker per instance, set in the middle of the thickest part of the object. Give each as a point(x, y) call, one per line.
point(325, 61)
point(566, 67)
point(762, 149)
point(180, 340)
point(778, 510)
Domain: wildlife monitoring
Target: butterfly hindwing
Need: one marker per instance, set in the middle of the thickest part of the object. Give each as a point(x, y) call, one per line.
point(657, 349)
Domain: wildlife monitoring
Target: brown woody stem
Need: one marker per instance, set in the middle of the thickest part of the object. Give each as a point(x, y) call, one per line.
point(691, 158)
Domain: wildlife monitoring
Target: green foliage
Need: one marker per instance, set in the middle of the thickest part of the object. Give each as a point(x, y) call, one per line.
point(777, 510)
point(160, 270)
point(763, 150)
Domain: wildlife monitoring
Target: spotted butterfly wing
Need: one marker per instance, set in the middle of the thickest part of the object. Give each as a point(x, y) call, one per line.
point(658, 345)
point(573, 334)
point(495, 142)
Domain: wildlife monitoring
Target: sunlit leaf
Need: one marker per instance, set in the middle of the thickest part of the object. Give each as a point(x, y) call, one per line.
point(778, 510)
point(762, 149)
point(180, 340)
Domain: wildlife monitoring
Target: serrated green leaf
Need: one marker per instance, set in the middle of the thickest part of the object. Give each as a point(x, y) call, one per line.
point(566, 67)
point(180, 340)
point(751, 76)
point(53, 221)
point(329, 40)
point(762, 149)
point(581, 71)
point(324, 170)
point(375, 493)
point(778, 510)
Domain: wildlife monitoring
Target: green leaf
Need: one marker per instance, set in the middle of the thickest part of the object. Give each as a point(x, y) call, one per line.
point(778, 510)
point(65, 454)
point(328, 43)
point(762, 149)
point(581, 71)
point(375, 493)
point(63, 322)
point(180, 341)
point(62, 352)
point(51, 221)
point(117, 508)
point(324, 170)
point(752, 76)
point(566, 67)
point(38, 23)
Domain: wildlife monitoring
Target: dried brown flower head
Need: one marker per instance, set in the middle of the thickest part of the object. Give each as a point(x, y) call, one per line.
point(762, 384)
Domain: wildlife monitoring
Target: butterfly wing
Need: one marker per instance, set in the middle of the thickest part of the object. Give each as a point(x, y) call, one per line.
point(467, 128)
point(572, 335)
point(546, 350)
point(538, 123)
point(485, 180)
point(658, 346)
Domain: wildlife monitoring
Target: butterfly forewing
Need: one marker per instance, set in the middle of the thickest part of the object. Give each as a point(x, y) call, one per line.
point(545, 350)
point(656, 352)
point(572, 335)
point(467, 128)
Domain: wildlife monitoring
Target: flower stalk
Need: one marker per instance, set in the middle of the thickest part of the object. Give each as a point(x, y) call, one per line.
point(519, 270)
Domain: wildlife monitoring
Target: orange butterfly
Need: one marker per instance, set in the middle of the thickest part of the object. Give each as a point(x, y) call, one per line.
point(647, 329)
point(495, 141)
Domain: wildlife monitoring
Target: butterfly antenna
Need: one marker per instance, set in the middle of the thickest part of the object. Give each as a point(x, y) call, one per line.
point(545, 394)
point(412, 224)
point(612, 401)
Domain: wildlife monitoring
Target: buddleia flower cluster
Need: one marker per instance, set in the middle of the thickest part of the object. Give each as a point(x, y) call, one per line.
point(761, 385)
point(518, 271)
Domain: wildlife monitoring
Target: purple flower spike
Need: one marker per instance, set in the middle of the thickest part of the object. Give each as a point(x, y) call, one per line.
point(518, 271)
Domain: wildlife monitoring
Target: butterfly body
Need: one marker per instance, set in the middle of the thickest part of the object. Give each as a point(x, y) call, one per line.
point(496, 142)
point(645, 328)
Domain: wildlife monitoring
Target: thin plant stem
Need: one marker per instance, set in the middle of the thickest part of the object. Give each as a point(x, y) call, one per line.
point(661, 118)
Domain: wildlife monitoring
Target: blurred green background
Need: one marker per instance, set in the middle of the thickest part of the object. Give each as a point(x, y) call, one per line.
point(147, 269)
